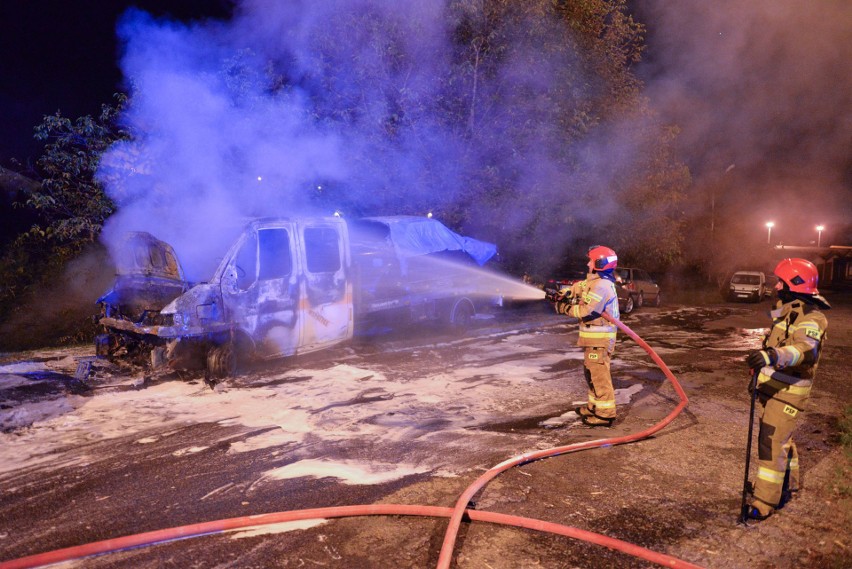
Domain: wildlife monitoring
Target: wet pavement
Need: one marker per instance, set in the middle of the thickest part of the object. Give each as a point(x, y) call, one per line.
point(395, 418)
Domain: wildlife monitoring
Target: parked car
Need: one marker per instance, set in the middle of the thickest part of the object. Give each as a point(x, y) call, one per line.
point(747, 285)
point(641, 287)
point(554, 287)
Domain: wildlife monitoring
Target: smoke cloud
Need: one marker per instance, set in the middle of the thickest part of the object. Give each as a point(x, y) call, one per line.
point(763, 86)
point(373, 107)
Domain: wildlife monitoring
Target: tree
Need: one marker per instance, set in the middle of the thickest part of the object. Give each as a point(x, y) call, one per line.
point(71, 202)
point(68, 203)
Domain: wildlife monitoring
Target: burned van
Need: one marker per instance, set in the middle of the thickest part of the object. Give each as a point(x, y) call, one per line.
point(291, 286)
point(148, 277)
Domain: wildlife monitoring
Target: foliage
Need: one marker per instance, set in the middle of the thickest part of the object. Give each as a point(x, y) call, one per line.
point(70, 205)
point(71, 202)
point(655, 235)
point(504, 129)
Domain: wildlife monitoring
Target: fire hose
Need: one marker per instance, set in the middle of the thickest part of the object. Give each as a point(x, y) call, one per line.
point(467, 495)
point(455, 514)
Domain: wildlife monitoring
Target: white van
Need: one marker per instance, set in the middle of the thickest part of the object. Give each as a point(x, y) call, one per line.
point(291, 286)
point(747, 285)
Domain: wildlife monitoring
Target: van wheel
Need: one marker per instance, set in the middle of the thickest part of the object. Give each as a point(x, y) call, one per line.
point(106, 345)
point(462, 315)
point(628, 305)
point(640, 300)
point(658, 300)
point(221, 362)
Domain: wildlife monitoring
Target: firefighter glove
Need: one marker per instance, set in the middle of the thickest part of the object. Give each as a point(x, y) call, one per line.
point(761, 358)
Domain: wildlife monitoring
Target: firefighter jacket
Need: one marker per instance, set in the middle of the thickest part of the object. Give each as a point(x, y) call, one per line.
point(797, 335)
point(594, 296)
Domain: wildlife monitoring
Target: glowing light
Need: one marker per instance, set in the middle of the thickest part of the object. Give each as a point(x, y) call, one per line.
point(337, 213)
point(819, 229)
point(429, 215)
point(769, 226)
point(260, 178)
point(319, 188)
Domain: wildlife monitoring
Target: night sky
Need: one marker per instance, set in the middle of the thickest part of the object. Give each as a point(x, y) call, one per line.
point(61, 55)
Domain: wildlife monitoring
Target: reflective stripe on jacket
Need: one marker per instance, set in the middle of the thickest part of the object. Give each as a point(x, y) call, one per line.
point(596, 295)
point(779, 382)
point(797, 335)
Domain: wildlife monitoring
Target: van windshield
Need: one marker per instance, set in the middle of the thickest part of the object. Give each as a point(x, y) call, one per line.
point(746, 279)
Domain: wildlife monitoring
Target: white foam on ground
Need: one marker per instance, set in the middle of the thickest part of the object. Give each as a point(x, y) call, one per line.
point(348, 472)
point(342, 402)
point(283, 527)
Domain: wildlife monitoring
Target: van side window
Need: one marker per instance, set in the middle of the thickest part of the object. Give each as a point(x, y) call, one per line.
point(275, 260)
point(246, 263)
point(322, 249)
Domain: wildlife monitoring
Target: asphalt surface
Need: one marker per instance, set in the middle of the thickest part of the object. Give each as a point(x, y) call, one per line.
point(411, 416)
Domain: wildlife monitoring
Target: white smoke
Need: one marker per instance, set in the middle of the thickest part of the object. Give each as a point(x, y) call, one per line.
point(370, 106)
point(763, 85)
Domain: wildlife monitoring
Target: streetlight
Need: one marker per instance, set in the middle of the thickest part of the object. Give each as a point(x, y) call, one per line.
point(769, 226)
point(819, 229)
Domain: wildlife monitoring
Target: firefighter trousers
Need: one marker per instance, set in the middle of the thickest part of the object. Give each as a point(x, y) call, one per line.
point(778, 459)
point(596, 362)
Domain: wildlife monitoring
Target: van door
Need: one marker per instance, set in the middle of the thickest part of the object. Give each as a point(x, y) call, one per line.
point(262, 297)
point(326, 308)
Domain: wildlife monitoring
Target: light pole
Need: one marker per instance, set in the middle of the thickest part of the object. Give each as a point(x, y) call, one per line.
point(819, 229)
point(725, 185)
point(769, 226)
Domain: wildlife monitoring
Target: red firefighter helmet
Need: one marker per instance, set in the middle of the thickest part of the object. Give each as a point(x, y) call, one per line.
point(604, 258)
point(799, 275)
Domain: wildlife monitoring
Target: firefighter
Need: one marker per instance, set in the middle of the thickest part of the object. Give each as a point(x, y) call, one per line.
point(589, 300)
point(786, 367)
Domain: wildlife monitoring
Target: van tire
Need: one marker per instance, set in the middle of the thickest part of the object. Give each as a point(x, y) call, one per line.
point(462, 315)
point(640, 300)
point(221, 362)
point(658, 300)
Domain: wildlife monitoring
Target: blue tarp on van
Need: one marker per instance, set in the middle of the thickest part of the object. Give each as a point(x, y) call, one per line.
point(412, 236)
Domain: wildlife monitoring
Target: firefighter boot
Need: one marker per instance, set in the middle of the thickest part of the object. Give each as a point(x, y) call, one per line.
point(583, 411)
point(595, 421)
point(759, 510)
